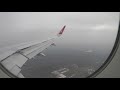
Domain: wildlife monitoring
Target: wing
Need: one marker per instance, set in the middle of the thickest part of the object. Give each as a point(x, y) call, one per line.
point(14, 58)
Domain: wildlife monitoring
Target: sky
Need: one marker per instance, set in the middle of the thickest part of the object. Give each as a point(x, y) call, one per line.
point(83, 28)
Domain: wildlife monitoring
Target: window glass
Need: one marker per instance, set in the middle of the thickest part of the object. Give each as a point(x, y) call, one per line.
point(84, 46)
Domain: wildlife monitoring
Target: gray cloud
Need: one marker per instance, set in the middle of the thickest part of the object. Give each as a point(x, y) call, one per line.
point(82, 27)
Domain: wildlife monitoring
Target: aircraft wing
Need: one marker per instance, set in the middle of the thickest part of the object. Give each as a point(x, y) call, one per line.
point(14, 58)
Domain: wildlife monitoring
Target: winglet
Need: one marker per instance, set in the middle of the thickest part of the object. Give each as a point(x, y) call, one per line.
point(61, 31)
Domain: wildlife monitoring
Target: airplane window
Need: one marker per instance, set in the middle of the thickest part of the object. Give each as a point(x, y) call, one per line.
point(56, 44)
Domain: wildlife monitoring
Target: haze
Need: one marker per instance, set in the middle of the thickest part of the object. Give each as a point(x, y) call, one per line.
point(86, 32)
point(82, 27)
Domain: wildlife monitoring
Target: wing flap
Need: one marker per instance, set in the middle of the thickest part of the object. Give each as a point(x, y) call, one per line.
point(14, 63)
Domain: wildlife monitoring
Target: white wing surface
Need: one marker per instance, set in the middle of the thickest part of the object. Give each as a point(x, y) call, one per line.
point(15, 57)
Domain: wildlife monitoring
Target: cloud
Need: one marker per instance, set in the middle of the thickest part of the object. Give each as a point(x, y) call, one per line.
point(89, 51)
point(104, 27)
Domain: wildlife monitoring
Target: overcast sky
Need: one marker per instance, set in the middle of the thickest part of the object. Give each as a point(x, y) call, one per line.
point(51, 20)
point(82, 27)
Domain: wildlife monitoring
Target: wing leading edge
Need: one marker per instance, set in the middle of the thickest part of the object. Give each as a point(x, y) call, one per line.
point(15, 58)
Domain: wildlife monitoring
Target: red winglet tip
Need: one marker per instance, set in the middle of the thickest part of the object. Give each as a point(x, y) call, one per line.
point(62, 30)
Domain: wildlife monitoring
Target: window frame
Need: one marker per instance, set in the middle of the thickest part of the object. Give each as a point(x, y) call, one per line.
point(111, 56)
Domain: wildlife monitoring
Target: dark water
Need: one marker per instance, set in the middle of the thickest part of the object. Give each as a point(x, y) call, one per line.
point(78, 62)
